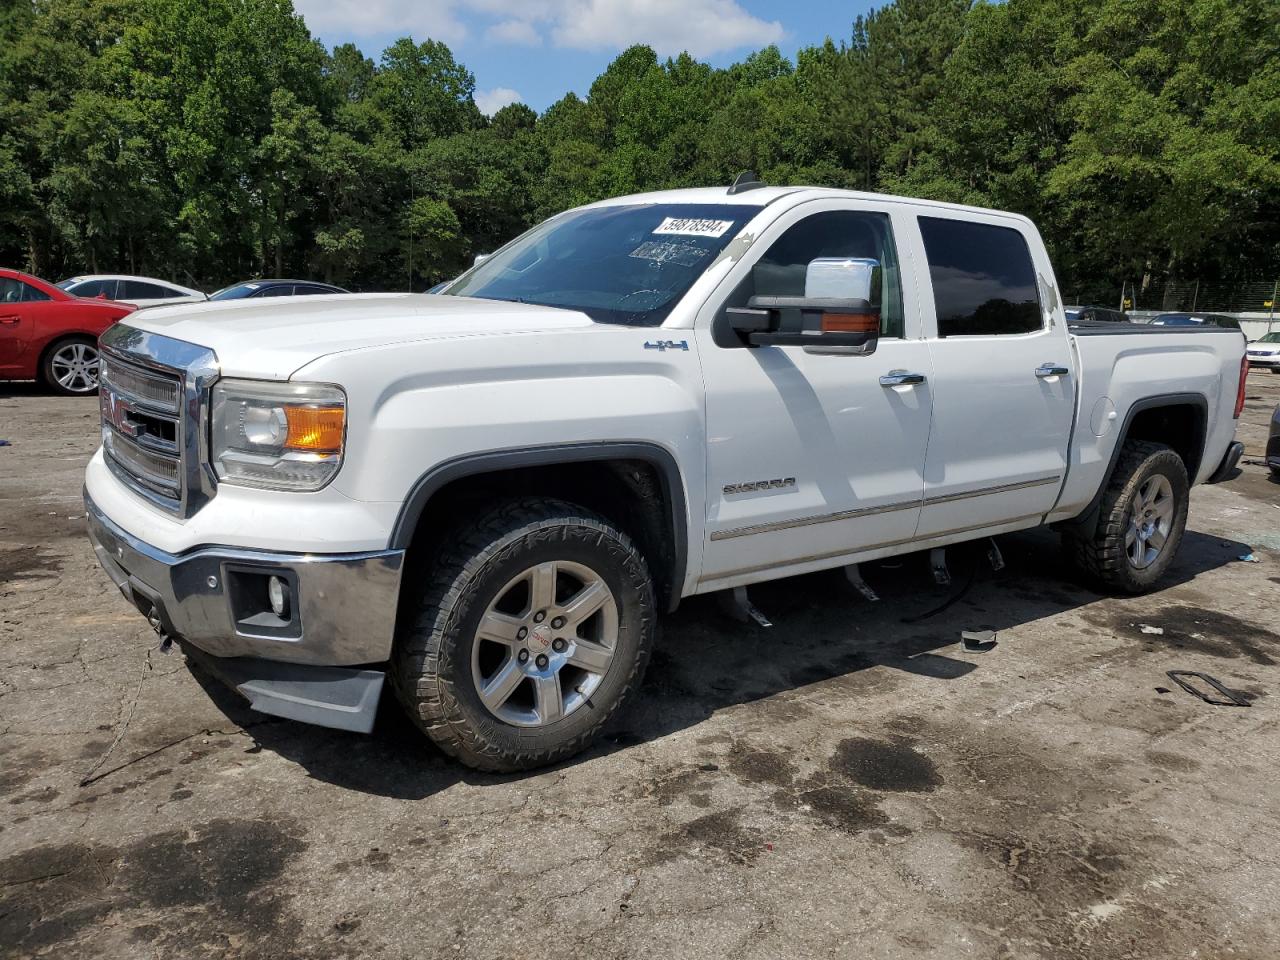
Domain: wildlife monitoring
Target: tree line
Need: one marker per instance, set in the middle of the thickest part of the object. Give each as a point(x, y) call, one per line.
point(207, 141)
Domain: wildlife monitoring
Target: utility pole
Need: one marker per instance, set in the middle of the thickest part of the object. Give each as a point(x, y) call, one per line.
point(412, 199)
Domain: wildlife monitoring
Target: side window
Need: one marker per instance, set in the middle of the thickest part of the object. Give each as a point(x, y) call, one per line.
point(31, 294)
point(983, 279)
point(136, 289)
point(284, 290)
point(11, 290)
point(783, 271)
point(302, 290)
point(95, 288)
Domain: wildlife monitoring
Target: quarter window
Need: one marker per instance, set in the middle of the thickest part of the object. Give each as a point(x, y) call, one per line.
point(140, 290)
point(983, 279)
point(783, 271)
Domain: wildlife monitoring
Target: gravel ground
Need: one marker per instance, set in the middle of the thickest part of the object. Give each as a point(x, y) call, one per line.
point(844, 784)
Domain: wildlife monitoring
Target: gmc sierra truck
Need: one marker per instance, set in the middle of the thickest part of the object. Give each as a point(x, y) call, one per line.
point(489, 495)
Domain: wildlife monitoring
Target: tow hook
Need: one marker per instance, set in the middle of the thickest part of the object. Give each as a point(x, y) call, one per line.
point(166, 641)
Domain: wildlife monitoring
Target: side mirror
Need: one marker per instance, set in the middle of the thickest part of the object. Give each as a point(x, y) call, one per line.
point(836, 315)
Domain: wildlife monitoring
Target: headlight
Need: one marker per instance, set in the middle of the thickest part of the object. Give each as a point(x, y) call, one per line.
point(282, 436)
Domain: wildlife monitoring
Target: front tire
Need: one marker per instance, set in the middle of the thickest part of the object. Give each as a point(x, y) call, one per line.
point(71, 367)
point(1141, 520)
point(534, 626)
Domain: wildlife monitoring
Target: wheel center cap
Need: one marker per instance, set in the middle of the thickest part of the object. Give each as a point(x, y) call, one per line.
point(540, 637)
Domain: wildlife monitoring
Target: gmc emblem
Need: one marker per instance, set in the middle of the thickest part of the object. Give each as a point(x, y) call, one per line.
point(115, 413)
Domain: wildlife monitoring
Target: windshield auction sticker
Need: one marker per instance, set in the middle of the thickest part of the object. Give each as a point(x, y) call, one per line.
point(693, 227)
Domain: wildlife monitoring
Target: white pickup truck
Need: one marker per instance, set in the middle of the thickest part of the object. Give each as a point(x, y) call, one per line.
point(489, 495)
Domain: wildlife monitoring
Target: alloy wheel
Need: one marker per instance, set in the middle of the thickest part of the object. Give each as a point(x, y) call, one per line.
point(75, 367)
point(545, 643)
point(1150, 521)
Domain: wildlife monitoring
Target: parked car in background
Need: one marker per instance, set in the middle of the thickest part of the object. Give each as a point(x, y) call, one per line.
point(1094, 313)
point(275, 288)
point(47, 334)
point(139, 291)
point(1265, 352)
point(1196, 320)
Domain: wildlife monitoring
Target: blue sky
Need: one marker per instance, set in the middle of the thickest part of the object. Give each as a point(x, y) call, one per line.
point(535, 51)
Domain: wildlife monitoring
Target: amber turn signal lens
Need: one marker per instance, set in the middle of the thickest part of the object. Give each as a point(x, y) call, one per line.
point(315, 429)
point(850, 323)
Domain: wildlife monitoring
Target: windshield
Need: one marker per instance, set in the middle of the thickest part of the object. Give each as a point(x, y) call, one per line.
point(1271, 338)
point(238, 292)
point(617, 264)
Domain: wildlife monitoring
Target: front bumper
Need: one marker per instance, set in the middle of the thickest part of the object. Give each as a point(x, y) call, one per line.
point(341, 614)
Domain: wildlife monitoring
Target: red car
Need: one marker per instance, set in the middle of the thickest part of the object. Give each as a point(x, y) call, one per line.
point(47, 334)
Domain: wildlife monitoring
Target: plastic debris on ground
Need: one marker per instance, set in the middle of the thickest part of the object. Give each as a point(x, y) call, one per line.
point(1226, 697)
point(1147, 628)
point(979, 641)
point(1249, 558)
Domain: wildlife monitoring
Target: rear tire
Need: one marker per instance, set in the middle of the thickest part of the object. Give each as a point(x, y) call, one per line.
point(1140, 523)
point(533, 627)
point(71, 366)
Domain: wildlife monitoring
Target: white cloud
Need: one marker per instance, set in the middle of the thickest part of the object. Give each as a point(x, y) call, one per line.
point(335, 20)
point(491, 101)
point(520, 32)
point(702, 27)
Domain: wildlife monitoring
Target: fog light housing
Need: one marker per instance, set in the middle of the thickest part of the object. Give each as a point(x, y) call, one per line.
point(278, 594)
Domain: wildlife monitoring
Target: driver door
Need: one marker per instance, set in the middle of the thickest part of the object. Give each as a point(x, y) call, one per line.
point(813, 457)
point(18, 303)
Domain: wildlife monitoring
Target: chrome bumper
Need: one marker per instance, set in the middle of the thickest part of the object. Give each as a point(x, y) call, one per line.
point(342, 610)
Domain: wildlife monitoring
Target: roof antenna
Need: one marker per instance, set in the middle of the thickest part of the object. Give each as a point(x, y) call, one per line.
point(746, 180)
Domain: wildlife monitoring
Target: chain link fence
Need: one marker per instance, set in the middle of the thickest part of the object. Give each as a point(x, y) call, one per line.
point(1261, 299)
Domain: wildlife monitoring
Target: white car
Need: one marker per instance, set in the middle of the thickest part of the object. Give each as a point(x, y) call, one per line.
point(1265, 353)
point(486, 497)
point(139, 291)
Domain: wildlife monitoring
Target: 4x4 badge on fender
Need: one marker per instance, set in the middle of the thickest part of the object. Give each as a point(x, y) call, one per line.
point(666, 345)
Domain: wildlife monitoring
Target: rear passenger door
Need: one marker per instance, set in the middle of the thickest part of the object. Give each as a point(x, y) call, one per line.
point(1003, 390)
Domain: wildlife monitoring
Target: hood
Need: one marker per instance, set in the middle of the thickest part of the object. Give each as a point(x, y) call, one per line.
point(274, 337)
point(1260, 347)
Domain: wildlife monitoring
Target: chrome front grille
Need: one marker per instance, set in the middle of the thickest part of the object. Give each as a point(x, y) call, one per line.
point(154, 400)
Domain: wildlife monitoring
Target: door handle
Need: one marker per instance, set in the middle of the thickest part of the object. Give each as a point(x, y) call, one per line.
point(9, 320)
point(900, 378)
point(1051, 370)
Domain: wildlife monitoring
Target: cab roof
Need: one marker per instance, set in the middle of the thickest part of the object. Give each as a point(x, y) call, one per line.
point(763, 196)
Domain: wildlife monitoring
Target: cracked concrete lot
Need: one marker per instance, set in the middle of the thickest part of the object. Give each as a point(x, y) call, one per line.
point(846, 784)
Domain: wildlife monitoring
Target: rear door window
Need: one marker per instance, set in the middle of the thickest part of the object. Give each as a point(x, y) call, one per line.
point(984, 282)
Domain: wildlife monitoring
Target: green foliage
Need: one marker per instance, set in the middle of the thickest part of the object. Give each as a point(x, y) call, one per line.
point(213, 140)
